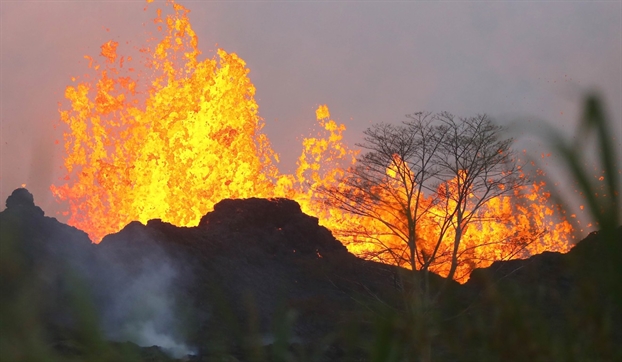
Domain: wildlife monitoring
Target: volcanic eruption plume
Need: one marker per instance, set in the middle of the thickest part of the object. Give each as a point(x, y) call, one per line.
point(172, 135)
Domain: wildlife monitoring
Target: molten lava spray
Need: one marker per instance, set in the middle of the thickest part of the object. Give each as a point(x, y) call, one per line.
point(173, 139)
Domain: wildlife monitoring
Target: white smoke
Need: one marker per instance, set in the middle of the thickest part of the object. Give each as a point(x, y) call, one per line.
point(140, 300)
point(148, 335)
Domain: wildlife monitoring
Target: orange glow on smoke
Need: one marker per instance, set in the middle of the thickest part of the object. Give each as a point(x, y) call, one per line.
point(171, 144)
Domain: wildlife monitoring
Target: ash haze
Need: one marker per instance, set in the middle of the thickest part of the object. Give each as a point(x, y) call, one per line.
point(368, 61)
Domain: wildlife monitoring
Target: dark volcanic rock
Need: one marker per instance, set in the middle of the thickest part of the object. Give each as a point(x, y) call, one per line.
point(45, 244)
point(550, 271)
point(279, 223)
point(253, 267)
point(28, 222)
point(22, 198)
point(37, 253)
point(64, 274)
point(253, 212)
point(572, 300)
point(253, 259)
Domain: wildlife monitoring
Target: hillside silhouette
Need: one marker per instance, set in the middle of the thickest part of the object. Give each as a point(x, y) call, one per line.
point(257, 275)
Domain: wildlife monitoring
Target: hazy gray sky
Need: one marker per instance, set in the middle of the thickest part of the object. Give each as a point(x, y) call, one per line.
point(369, 61)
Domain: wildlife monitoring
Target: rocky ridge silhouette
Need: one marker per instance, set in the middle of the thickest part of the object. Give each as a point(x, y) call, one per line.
point(251, 263)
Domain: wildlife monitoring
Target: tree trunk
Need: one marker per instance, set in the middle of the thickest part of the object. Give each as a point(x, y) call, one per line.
point(457, 238)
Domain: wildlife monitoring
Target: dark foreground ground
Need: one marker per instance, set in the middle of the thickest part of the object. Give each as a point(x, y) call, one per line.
point(259, 280)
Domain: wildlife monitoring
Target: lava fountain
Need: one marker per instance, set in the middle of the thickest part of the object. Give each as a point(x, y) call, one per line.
point(174, 135)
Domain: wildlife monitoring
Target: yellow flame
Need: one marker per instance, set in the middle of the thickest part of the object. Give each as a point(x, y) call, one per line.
point(190, 137)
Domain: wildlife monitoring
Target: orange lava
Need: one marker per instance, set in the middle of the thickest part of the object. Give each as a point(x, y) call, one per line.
point(174, 140)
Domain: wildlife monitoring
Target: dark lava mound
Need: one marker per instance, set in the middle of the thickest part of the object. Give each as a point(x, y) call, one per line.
point(257, 275)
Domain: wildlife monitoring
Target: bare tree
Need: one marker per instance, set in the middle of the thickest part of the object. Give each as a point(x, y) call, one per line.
point(430, 169)
point(387, 183)
point(432, 172)
point(478, 162)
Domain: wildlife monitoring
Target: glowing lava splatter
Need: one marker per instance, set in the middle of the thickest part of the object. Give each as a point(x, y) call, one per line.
point(172, 140)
